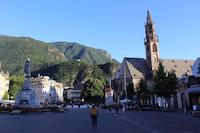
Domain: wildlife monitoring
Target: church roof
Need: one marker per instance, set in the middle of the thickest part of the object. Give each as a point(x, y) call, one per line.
point(137, 67)
point(179, 66)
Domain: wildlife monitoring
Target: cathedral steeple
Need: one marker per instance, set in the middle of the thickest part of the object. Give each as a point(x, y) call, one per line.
point(151, 45)
point(149, 19)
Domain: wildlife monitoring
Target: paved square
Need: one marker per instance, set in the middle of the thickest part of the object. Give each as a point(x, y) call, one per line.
point(78, 121)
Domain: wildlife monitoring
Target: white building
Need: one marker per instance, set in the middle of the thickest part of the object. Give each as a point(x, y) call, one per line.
point(58, 89)
point(74, 95)
point(4, 84)
point(47, 91)
point(196, 68)
point(108, 92)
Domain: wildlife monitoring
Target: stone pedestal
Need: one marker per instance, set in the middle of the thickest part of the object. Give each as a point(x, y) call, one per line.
point(26, 98)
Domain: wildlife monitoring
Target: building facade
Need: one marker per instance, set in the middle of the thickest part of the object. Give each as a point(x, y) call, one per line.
point(188, 89)
point(134, 69)
point(47, 91)
point(108, 95)
point(4, 84)
point(196, 68)
point(74, 95)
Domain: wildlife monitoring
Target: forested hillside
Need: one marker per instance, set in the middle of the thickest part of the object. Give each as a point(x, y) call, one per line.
point(15, 50)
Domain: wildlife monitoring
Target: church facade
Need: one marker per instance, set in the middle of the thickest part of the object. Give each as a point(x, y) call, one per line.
point(133, 69)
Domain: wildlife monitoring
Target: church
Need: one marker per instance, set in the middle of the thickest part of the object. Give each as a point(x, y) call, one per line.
point(133, 69)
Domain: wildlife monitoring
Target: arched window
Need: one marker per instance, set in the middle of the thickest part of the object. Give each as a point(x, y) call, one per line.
point(155, 58)
point(154, 48)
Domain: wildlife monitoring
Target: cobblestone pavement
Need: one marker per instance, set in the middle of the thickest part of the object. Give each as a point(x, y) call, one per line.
point(78, 121)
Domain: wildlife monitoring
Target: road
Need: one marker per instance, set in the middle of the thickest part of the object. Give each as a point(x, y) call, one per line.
point(78, 121)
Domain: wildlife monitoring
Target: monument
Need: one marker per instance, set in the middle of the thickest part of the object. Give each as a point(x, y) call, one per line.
point(26, 98)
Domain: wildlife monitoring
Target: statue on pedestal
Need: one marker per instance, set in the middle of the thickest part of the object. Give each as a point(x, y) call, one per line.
point(27, 68)
point(26, 97)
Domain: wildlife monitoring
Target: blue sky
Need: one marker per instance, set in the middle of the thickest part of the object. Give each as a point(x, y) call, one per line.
point(114, 25)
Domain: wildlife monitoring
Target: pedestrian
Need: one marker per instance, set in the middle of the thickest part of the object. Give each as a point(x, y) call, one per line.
point(94, 114)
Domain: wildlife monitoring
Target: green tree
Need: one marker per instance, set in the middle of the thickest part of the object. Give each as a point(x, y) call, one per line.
point(16, 84)
point(143, 92)
point(171, 86)
point(160, 80)
point(93, 91)
point(6, 96)
point(165, 83)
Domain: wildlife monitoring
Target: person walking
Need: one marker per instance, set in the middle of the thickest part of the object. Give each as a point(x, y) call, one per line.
point(94, 114)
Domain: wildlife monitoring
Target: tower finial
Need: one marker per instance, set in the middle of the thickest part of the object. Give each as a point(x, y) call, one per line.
point(149, 18)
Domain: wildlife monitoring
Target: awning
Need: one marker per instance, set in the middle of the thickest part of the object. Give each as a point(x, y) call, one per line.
point(193, 90)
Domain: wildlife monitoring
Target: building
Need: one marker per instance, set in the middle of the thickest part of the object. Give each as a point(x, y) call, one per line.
point(108, 94)
point(47, 91)
point(134, 69)
point(188, 90)
point(74, 95)
point(4, 84)
point(196, 68)
point(59, 91)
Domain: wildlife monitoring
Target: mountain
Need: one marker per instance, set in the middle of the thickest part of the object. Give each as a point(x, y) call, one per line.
point(15, 50)
point(76, 51)
point(72, 71)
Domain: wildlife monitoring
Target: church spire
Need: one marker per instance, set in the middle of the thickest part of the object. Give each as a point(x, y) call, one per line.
point(151, 45)
point(149, 18)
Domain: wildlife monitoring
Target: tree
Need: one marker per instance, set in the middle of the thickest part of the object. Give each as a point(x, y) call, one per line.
point(164, 83)
point(143, 92)
point(171, 85)
point(93, 91)
point(160, 79)
point(16, 84)
point(6, 96)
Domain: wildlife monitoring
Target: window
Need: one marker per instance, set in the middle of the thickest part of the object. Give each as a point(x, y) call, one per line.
point(154, 48)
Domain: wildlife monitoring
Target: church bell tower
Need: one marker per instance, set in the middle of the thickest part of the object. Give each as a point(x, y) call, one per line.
point(151, 45)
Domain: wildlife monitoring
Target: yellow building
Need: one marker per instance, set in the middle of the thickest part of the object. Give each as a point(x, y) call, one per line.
point(4, 83)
